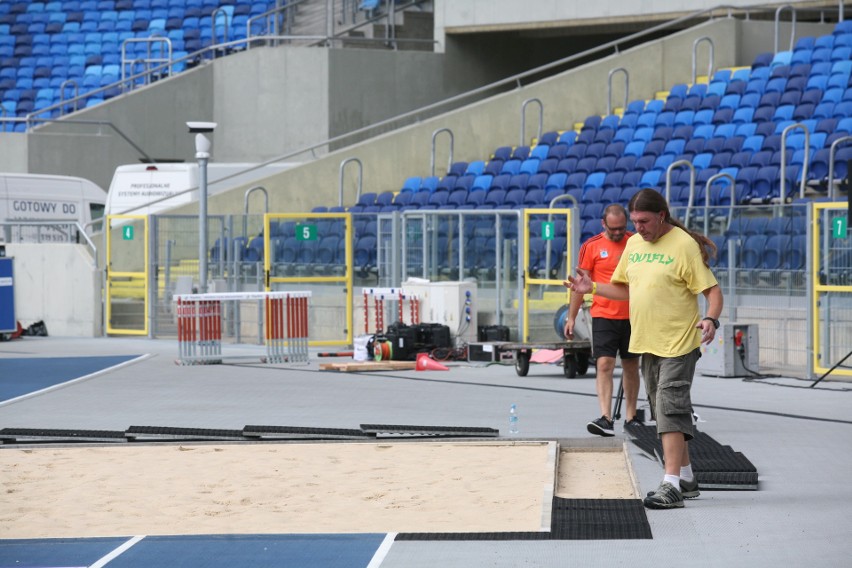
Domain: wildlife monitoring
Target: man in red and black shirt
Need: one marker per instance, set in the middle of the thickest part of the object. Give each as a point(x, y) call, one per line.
point(610, 320)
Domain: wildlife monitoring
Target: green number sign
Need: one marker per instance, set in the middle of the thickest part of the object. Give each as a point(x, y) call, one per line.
point(838, 226)
point(306, 232)
point(547, 230)
point(127, 233)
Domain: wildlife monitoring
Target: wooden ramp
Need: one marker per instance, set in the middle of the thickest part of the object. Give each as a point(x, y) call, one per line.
point(362, 366)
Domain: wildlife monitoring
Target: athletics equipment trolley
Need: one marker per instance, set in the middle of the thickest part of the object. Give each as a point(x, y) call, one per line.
point(575, 360)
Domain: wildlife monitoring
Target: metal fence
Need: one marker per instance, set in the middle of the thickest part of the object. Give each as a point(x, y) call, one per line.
point(761, 266)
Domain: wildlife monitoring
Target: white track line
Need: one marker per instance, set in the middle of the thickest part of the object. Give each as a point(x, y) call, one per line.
point(382, 551)
point(72, 381)
point(117, 552)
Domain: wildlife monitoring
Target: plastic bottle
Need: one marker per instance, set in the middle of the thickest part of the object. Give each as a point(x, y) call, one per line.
point(513, 419)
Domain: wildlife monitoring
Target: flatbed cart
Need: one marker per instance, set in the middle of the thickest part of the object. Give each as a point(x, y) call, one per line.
point(575, 361)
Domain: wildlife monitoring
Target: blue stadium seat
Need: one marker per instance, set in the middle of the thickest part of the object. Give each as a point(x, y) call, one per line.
point(654, 148)
point(476, 198)
point(500, 182)
point(494, 197)
point(650, 178)
point(592, 211)
point(575, 181)
point(529, 166)
point(594, 180)
point(624, 164)
point(586, 165)
point(752, 252)
point(518, 181)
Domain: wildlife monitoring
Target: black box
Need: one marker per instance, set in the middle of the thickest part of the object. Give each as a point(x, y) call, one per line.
point(403, 340)
point(488, 352)
point(433, 335)
point(492, 333)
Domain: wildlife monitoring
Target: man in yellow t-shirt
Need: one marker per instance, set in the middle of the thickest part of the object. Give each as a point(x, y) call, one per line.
point(662, 271)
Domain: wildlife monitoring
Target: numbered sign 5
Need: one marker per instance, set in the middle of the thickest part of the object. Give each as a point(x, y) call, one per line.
point(306, 232)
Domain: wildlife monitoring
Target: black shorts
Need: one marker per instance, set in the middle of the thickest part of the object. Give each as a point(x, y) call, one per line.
point(610, 338)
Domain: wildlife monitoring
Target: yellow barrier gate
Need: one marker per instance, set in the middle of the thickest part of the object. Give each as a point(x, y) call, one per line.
point(547, 256)
point(314, 249)
point(831, 274)
point(127, 275)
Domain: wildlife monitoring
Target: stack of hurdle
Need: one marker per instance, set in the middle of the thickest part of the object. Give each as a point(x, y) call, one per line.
point(199, 326)
point(380, 297)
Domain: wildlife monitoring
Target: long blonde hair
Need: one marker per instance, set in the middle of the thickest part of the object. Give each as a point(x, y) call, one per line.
point(652, 201)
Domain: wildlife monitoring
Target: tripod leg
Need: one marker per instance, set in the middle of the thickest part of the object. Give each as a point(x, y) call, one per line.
point(619, 398)
point(838, 364)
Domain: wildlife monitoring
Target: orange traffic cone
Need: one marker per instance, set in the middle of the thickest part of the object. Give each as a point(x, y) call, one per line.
point(426, 363)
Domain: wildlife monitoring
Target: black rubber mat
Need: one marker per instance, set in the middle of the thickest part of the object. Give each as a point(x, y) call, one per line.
point(299, 433)
point(151, 433)
point(248, 433)
point(571, 519)
point(716, 466)
point(19, 435)
point(405, 430)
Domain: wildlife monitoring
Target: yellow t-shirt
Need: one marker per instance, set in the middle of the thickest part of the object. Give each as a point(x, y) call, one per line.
point(665, 278)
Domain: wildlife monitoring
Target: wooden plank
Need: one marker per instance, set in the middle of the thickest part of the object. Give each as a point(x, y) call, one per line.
point(360, 366)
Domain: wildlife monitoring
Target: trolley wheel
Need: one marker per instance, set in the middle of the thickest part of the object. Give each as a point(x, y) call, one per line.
point(522, 363)
point(569, 365)
point(582, 363)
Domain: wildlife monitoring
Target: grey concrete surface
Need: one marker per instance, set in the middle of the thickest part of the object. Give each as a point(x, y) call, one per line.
point(797, 437)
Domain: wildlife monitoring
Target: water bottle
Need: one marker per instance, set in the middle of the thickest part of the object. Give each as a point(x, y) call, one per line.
point(513, 419)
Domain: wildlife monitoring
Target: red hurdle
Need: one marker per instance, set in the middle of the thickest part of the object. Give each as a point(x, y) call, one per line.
point(199, 323)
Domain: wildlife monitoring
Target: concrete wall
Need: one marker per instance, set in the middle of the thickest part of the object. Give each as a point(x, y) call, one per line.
point(69, 305)
point(267, 102)
point(452, 16)
point(13, 157)
point(152, 117)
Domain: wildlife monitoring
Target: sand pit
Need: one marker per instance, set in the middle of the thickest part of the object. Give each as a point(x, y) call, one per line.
point(186, 489)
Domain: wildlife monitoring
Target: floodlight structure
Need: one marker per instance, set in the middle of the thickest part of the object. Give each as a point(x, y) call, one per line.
point(202, 154)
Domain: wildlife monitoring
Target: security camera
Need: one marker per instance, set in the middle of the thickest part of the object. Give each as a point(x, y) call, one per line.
point(201, 126)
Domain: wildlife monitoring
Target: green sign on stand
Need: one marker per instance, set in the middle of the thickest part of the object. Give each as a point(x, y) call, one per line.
point(306, 232)
point(127, 233)
point(547, 230)
point(838, 227)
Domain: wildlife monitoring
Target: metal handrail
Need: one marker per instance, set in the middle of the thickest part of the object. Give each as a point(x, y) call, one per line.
point(213, 18)
point(452, 145)
point(524, 118)
point(164, 61)
point(76, 225)
point(778, 23)
point(62, 87)
point(609, 88)
point(783, 190)
point(707, 198)
point(711, 63)
point(265, 198)
point(831, 152)
point(360, 179)
point(669, 169)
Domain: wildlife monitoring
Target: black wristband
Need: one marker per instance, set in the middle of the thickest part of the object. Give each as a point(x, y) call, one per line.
point(714, 321)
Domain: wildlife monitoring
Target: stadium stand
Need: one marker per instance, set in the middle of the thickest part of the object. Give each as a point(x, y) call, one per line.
point(732, 122)
point(88, 43)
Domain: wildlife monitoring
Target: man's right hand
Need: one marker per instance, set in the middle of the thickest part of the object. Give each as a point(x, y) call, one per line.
point(569, 328)
point(582, 283)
